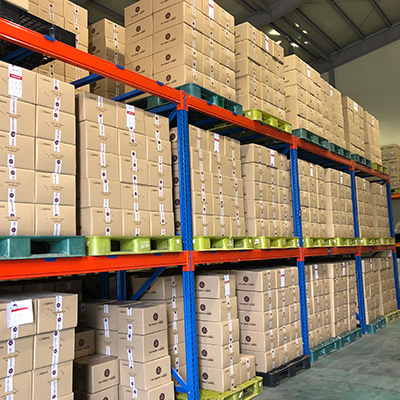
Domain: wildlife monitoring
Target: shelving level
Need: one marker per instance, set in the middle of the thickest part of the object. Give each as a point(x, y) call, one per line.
point(183, 107)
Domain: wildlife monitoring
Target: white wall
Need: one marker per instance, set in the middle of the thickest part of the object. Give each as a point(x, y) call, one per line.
point(373, 81)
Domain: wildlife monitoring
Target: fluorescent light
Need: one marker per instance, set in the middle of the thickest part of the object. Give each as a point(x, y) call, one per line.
point(306, 42)
point(297, 25)
point(273, 32)
point(304, 31)
point(293, 44)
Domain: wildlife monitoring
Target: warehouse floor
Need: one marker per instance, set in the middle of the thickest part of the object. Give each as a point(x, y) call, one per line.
point(367, 369)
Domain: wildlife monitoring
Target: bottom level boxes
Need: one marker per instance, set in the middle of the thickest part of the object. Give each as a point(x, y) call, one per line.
point(17, 388)
point(85, 343)
point(109, 394)
point(165, 392)
point(18, 353)
point(52, 383)
point(247, 367)
point(219, 380)
point(218, 356)
point(266, 361)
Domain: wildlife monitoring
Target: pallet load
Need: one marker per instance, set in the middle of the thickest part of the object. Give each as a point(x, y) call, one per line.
point(387, 291)
point(216, 184)
point(180, 42)
point(353, 115)
point(267, 192)
point(269, 316)
point(370, 270)
point(391, 160)
point(372, 139)
point(125, 170)
point(216, 312)
point(38, 154)
point(259, 71)
point(379, 211)
point(38, 345)
point(312, 104)
point(365, 211)
point(339, 205)
point(107, 41)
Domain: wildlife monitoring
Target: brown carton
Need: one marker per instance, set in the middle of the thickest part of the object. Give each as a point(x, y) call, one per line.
point(259, 341)
point(219, 380)
point(139, 49)
point(100, 222)
point(137, 11)
point(16, 356)
point(18, 115)
point(95, 109)
point(156, 126)
point(107, 342)
point(216, 310)
point(146, 376)
point(17, 184)
point(134, 197)
point(18, 218)
point(95, 373)
point(135, 223)
point(141, 348)
point(85, 344)
point(16, 151)
point(110, 394)
point(130, 118)
point(74, 13)
point(54, 220)
point(218, 356)
point(257, 301)
point(20, 388)
point(218, 333)
point(97, 137)
point(165, 392)
point(258, 321)
point(215, 286)
point(164, 288)
point(141, 318)
point(180, 75)
point(46, 344)
point(17, 82)
point(247, 367)
point(107, 28)
point(98, 165)
point(256, 280)
point(139, 29)
point(54, 188)
point(100, 193)
point(162, 224)
point(143, 67)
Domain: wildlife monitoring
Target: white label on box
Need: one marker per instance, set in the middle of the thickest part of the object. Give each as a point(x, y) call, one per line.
point(103, 159)
point(108, 218)
point(100, 101)
point(216, 143)
point(102, 147)
point(11, 366)
point(160, 188)
point(11, 346)
point(355, 107)
point(106, 328)
point(106, 203)
point(10, 160)
point(105, 186)
point(160, 164)
point(14, 81)
point(13, 106)
point(13, 132)
point(130, 116)
point(19, 313)
point(58, 165)
point(13, 228)
point(8, 384)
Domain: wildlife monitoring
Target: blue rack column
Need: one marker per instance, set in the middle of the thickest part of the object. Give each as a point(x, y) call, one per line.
point(192, 370)
point(359, 274)
point(120, 282)
point(392, 234)
point(298, 232)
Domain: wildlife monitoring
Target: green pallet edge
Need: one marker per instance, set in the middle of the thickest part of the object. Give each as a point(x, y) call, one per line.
point(311, 137)
point(222, 243)
point(349, 337)
point(101, 245)
point(376, 325)
point(245, 391)
point(393, 316)
point(334, 148)
point(324, 349)
point(261, 116)
point(267, 243)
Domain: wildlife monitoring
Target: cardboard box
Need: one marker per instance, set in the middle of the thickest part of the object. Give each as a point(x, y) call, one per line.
point(247, 367)
point(16, 151)
point(146, 376)
point(45, 344)
point(218, 356)
point(135, 223)
point(97, 165)
point(139, 49)
point(141, 318)
point(107, 28)
point(55, 157)
point(130, 118)
point(16, 356)
point(180, 75)
point(143, 349)
point(218, 333)
point(110, 394)
point(95, 373)
point(100, 193)
point(98, 137)
point(21, 388)
point(166, 392)
point(74, 13)
point(259, 341)
point(257, 301)
point(54, 220)
point(144, 67)
point(134, 197)
point(85, 344)
point(95, 109)
point(17, 184)
point(54, 188)
point(11, 77)
point(100, 222)
point(219, 380)
point(18, 115)
point(258, 321)
point(156, 126)
point(17, 218)
point(139, 29)
point(216, 310)
point(107, 342)
point(215, 286)
point(164, 288)
point(256, 280)
point(139, 10)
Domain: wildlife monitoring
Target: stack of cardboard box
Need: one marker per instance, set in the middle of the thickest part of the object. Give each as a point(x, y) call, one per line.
point(216, 184)
point(168, 290)
point(38, 167)
point(267, 192)
point(391, 160)
point(312, 199)
point(379, 211)
point(178, 42)
point(339, 205)
point(259, 71)
point(216, 310)
point(365, 212)
point(372, 138)
point(107, 41)
point(125, 170)
point(387, 291)
point(269, 316)
point(370, 270)
point(353, 115)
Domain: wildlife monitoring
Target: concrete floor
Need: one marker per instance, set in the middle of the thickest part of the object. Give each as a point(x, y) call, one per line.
point(367, 369)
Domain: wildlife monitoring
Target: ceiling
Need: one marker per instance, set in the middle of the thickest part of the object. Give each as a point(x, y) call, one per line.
point(324, 33)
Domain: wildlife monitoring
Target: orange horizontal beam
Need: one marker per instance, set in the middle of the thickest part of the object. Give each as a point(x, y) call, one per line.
point(396, 196)
point(37, 268)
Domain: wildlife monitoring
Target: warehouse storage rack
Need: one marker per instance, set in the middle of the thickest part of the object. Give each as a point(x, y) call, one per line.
point(187, 259)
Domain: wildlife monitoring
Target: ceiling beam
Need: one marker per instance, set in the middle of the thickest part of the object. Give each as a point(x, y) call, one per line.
point(102, 8)
point(286, 21)
point(360, 49)
point(347, 19)
point(319, 30)
point(277, 10)
point(245, 4)
point(381, 13)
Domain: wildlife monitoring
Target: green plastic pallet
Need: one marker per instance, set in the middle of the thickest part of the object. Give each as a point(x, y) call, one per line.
point(284, 242)
point(308, 136)
point(324, 349)
point(246, 391)
point(311, 242)
point(261, 116)
point(380, 168)
point(195, 90)
point(361, 160)
point(343, 242)
point(115, 245)
point(334, 148)
point(207, 243)
point(376, 325)
point(349, 337)
point(25, 247)
point(393, 316)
